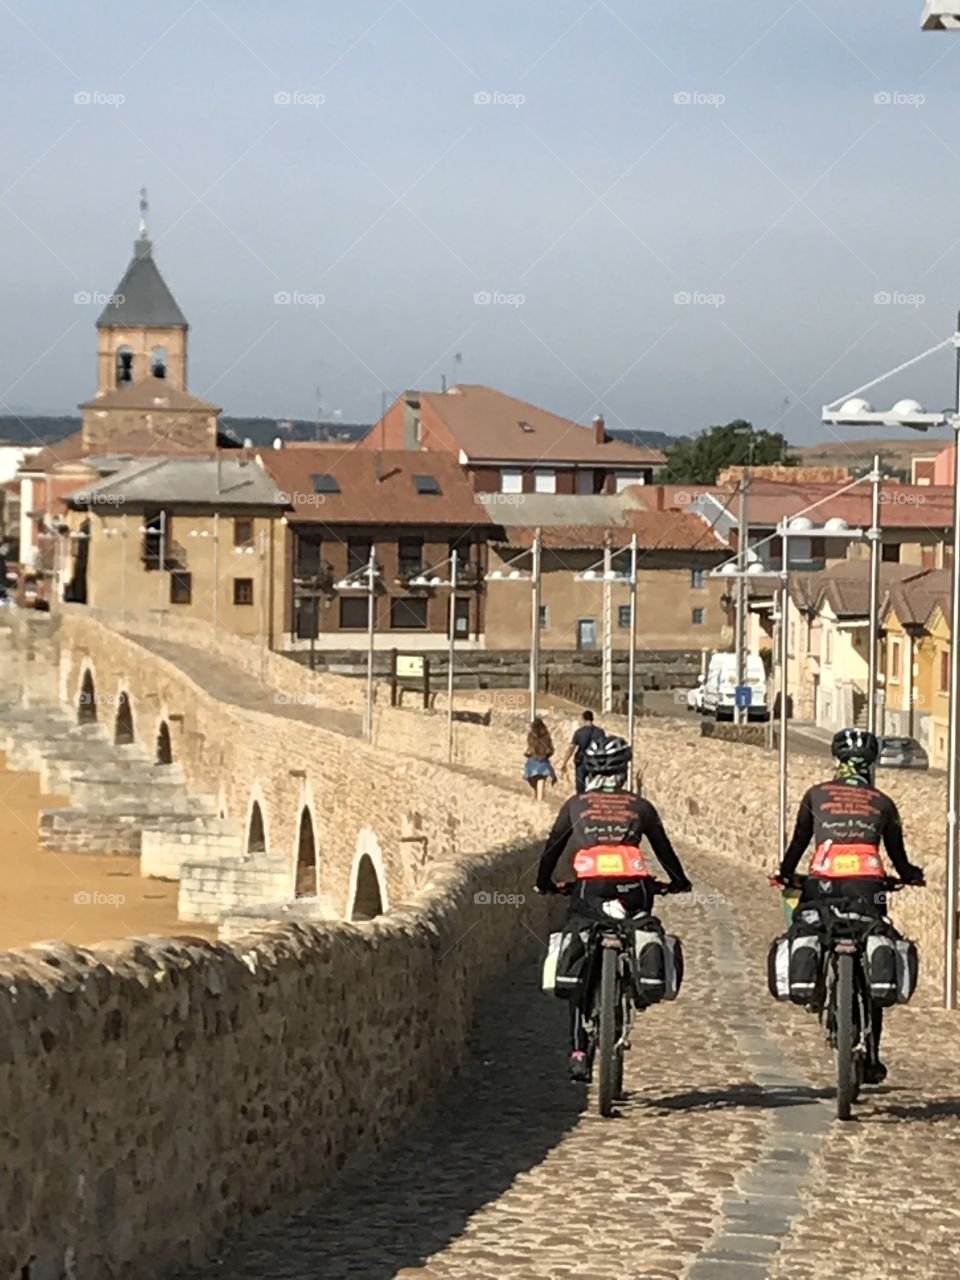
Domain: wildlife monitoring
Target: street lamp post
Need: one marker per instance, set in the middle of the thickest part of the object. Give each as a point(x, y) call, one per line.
point(122, 534)
point(535, 625)
point(873, 533)
point(215, 535)
point(257, 547)
point(851, 410)
point(508, 574)
point(429, 578)
point(365, 579)
point(609, 576)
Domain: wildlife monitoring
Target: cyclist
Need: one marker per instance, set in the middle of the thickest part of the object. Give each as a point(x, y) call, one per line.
point(848, 818)
point(606, 824)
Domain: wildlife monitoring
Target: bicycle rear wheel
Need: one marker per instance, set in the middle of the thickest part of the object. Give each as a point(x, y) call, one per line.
point(846, 1067)
point(607, 1033)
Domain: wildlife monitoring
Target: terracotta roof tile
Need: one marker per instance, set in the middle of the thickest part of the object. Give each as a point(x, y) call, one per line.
point(373, 487)
point(666, 531)
point(487, 425)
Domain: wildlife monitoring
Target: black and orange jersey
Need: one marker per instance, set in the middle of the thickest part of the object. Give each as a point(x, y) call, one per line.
point(843, 813)
point(606, 819)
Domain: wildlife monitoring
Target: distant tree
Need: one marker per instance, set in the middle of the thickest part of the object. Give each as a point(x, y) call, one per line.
point(700, 460)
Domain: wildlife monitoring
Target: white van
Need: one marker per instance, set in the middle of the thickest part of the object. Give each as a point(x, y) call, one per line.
point(720, 688)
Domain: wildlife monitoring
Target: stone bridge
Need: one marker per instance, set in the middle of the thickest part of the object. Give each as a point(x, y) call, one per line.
point(323, 1094)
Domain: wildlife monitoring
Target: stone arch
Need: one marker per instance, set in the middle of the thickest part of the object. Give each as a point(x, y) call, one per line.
point(164, 752)
point(305, 880)
point(368, 895)
point(87, 699)
point(256, 830)
point(123, 733)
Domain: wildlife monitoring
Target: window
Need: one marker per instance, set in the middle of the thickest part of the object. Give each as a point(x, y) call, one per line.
point(544, 616)
point(158, 362)
point(242, 532)
point(354, 614)
point(461, 616)
point(801, 550)
point(124, 366)
point(243, 591)
point(945, 671)
point(180, 590)
point(525, 426)
point(623, 615)
point(408, 613)
point(890, 552)
point(325, 483)
point(511, 481)
point(625, 478)
point(427, 484)
point(358, 553)
point(544, 481)
point(585, 482)
point(696, 578)
point(894, 660)
point(308, 556)
point(696, 617)
point(410, 556)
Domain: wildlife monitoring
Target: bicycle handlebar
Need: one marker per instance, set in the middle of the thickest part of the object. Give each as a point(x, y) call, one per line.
point(891, 883)
point(660, 887)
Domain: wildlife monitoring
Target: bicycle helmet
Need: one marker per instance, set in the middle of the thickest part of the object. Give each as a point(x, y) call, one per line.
point(607, 758)
point(855, 744)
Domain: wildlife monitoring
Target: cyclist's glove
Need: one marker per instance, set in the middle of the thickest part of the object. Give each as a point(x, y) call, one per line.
point(915, 876)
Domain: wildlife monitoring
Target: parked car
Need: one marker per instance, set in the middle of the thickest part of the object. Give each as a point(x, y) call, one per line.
point(902, 753)
point(719, 694)
point(695, 696)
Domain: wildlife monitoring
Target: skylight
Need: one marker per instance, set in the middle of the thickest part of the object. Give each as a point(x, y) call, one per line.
point(525, 426)
point(325, 483)
point(427, 484)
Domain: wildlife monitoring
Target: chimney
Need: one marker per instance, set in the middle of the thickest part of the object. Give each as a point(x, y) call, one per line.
point(377, 465)
point(599, 429)
point(443, 384)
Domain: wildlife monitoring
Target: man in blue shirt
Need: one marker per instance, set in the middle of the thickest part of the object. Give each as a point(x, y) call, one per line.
point(587, 732)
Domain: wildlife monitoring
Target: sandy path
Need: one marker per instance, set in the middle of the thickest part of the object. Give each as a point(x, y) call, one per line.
point(73, 897)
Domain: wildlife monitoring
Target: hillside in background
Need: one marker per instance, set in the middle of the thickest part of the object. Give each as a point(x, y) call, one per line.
point(647, 439)
point(856, 452)
point(41, 430)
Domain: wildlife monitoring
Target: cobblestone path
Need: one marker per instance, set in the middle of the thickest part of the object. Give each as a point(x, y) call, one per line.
point(725, 1161)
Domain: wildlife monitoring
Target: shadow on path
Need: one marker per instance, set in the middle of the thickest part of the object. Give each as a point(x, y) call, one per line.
point(747, 1094)
point(510, 1105)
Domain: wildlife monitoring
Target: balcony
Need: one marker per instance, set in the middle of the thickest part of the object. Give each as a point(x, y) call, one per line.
point(314, 575)
point(174, 555)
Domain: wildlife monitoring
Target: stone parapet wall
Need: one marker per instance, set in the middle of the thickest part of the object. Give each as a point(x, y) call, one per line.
point(184, 1087)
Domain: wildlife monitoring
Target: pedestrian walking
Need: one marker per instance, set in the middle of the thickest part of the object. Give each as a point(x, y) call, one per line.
point(587, 732)
point(537, 767)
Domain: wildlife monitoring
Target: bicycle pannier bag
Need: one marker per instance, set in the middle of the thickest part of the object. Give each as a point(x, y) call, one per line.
point(673, 955)
point(657, 966)
point(806, 968)
point(572, 963)
point(548, 981)
point(778, 967)
point(891, 965)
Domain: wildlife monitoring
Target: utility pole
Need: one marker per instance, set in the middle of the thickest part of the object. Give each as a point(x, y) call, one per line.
point(741, 714)
point(607, 670)
point(873, 534)
point(535, 625)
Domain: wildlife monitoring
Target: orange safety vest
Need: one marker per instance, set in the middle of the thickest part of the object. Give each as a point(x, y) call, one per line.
point(839, 861)
point(623, 861)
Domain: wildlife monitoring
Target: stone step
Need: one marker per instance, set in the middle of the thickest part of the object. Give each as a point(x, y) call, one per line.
point(209, 888)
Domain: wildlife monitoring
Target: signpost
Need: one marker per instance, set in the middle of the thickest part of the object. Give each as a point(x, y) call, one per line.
point(409, 671)
point(744, 696)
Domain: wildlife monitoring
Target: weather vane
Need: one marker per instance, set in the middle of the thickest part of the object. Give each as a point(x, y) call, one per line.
point(143, 213)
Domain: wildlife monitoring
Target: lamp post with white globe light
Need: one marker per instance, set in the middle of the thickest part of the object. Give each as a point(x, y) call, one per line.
point(853, 410)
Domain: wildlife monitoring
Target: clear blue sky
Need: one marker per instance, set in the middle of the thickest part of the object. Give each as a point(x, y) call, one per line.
point(399, 198)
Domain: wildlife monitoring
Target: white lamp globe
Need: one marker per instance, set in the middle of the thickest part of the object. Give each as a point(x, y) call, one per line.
point(906, 409)
point(800, 524)
point(836, 525)
point(855, 408)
